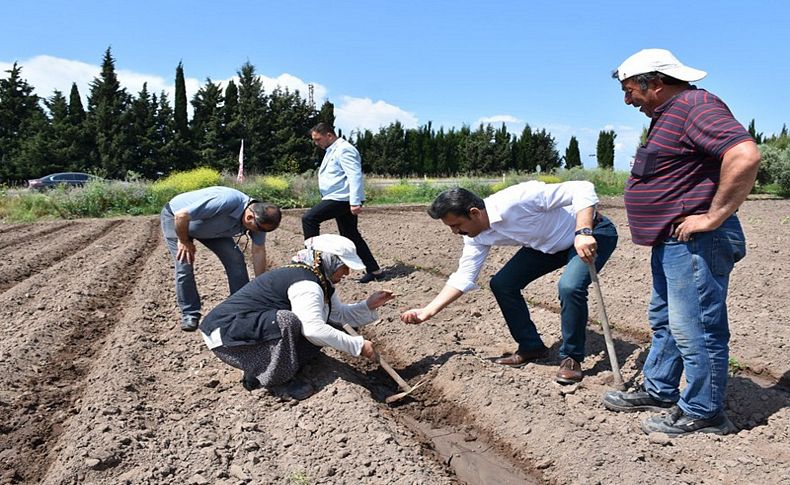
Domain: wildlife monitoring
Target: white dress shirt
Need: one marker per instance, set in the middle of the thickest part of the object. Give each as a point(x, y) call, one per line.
point(531, 214)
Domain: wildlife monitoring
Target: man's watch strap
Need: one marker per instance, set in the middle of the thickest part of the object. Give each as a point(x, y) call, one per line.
point(584, 231)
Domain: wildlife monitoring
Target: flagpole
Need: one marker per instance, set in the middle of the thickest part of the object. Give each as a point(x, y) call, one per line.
point(240, 176)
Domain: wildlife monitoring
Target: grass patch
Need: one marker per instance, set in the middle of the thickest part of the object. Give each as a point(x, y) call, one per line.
point(734, 367)
point(104, 198)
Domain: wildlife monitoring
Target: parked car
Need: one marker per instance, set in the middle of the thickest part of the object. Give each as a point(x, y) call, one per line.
point(74, 179)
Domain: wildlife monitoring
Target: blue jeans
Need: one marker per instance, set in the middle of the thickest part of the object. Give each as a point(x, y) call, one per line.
point(226, 250)
point(528, 265)
point(688, 315)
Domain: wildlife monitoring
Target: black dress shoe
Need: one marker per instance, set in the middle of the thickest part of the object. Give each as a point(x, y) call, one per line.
point(520, 358)
point(629, 402)
point(368, 277)
point(189, 323)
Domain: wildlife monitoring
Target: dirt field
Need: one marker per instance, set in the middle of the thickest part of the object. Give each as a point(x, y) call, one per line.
point(100, 386)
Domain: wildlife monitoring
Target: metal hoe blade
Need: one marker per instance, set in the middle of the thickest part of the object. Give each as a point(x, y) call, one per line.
point(407, 389)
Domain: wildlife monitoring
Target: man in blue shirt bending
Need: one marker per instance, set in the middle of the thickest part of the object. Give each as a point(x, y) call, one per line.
point(214, 216)
point(342, 195)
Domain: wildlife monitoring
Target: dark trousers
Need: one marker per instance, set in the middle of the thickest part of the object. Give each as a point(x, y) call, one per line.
point(528, 265)
point(340, 211)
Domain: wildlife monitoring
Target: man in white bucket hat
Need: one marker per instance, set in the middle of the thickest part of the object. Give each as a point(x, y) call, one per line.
point(274, 325)
point(688, 180)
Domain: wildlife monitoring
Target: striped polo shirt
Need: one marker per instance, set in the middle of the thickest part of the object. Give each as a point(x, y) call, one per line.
point(676, 172)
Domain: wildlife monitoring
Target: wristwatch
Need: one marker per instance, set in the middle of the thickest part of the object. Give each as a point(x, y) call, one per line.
point(584, 230)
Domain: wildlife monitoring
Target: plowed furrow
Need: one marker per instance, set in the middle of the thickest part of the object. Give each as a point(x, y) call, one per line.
point(18, 235)
point(59, 325)
point(47, 250)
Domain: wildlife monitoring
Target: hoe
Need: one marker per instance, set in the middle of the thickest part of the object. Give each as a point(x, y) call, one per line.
point(607, 333)
point(407, 389)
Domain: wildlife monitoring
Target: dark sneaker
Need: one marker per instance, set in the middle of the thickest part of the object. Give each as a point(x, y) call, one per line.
point(368, 277)
point(678, 423)
point(633, 401)
point(250, 382)
point(293, 389)
point(570, 371)
point(299, 390)
point(189, 323)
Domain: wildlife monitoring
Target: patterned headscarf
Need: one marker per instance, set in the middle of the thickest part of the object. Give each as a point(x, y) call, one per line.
point(329, 263)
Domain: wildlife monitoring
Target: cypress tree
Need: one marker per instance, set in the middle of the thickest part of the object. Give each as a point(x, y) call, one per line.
point(107, 104)
point(207, 126)
point(326, 114)
point(143, 134)
point(254, 120)
point(572, 156)
point(181, 103)
point(605, 149)
point(21, 121)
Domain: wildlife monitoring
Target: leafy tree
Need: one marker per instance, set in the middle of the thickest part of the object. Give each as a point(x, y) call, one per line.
point(107, 104)
point(605, 149)
point(326, 114)
point(572, 156)
point(21, 121)
point(393, 150)
point(524, 158)
point(80, 137)
point(143, 134)
point(253, 119)
point(76, 111)
point(207, 127)
point(166, 145)
point(291, 119)
point(544, 151)
point(232, 128)
point(758, 137)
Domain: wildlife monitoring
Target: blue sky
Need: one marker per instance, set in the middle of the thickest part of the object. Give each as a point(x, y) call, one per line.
point(450, 62)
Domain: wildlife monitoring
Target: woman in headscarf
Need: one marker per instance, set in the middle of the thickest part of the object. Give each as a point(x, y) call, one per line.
point(276, 323)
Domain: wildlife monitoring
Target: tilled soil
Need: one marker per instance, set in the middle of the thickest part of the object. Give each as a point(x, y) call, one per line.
point(100, 386)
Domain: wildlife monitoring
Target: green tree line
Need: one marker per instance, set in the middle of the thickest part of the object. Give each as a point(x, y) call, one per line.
point(121, 135)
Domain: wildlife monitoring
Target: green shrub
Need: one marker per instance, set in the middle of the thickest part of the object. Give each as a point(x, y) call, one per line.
point(403, 192)
point(775, 168)
point(179, 182)
point(27, 207)
point(607, 182)
point(549, 179)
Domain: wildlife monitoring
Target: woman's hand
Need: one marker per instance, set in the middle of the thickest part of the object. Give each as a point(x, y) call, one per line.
point(379, 298)
point(369, 352)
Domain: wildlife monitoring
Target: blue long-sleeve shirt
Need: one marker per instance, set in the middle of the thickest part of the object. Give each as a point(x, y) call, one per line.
point(340, 174)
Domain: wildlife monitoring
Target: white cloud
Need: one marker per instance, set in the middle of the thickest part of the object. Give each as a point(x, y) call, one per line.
point(498, 119)
point(48, 73)
point(363, 113)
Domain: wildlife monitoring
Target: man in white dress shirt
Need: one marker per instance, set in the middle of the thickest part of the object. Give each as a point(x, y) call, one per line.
point(557, 226)
point(342, 195)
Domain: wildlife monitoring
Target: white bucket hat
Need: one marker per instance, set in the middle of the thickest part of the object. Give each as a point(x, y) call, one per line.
point(340, 246)
point(661, 60)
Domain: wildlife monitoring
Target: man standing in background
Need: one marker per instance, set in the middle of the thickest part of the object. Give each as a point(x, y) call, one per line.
point(342, 195)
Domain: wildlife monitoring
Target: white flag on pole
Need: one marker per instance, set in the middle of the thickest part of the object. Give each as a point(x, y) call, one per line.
point(240, 176)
